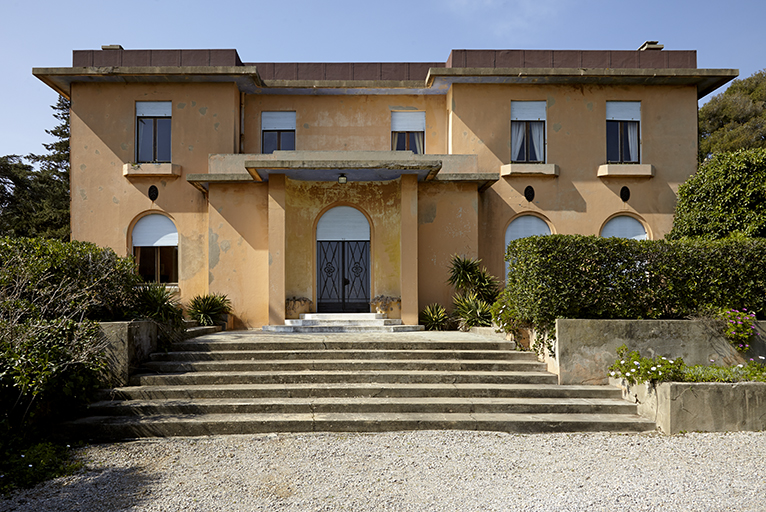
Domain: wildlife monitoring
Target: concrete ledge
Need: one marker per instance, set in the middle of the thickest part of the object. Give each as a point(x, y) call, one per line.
point(626, 170)
point(699, 406)
point(129, 345)
point(584, 349)
point(529, 170)
point(151, 170)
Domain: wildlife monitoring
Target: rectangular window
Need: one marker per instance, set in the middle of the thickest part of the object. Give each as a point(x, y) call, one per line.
point(408, 132)
point(157, 264)
point(153, 123)
point(277, 131)
point(528, 131)
point(623, 120)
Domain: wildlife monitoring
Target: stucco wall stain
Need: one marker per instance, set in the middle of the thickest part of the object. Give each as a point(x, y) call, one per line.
point(181, 106)
point(83, 194)
point(203, 111)
point(124, 146)
point(191, 256)
point(216, 125)
point(225, 245)
point(589, 106)
point(115, 200)
point(556, 127)
point(306, 126)
point(214, 250)
point(427, 213)
point(83, 167)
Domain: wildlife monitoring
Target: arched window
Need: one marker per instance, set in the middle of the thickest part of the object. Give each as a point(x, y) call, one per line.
point(155, 248)
point(522, 227)
point(624, 226)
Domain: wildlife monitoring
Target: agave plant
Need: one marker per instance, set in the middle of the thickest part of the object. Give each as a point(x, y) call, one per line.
point(209, 309)
point(472, 310)
point(434, 317)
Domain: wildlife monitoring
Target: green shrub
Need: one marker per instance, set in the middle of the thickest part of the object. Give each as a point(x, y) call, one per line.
point(634, 368)
point(572, 276)
point(725, 197)
point(739, 327)
point(467, 275)
point(435, 318)
point(154, 301)
point(209, 309)
point(472, 311)
point(27, 466)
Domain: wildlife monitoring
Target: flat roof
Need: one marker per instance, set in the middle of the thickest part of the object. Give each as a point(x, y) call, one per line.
point(645, 67)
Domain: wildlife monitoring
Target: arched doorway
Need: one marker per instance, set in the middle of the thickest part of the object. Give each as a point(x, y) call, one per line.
point(343, 261)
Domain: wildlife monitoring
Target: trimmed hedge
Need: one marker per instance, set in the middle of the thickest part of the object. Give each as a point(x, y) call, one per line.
point(573, 276)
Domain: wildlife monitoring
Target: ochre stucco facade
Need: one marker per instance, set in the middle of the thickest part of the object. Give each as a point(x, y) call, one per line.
point(247, 222)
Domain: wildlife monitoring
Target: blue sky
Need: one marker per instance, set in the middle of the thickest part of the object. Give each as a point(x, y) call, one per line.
point(43, 34)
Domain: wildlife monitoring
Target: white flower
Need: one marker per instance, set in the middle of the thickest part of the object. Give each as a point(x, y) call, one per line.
point(660, 373)
point(664, 359)
point(611, 373)
point(761, 357)
point(654, 368)
point(622, 362)
point(671, 361)
point(740, 365)
point(636, 363)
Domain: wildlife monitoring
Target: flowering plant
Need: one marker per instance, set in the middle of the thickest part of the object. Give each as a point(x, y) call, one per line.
point(739, 327)
point(637, 369)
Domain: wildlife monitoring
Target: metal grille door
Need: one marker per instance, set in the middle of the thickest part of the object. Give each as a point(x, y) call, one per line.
point(343, 276)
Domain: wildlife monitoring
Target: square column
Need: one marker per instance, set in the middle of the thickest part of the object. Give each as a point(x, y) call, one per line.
point(276, 221)
point(409, 249)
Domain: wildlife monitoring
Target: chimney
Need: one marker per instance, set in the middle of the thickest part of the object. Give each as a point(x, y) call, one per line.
point(651, 45)
point(112, 47)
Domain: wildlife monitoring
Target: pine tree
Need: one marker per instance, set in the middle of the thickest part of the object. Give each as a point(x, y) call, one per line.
point(50, 217)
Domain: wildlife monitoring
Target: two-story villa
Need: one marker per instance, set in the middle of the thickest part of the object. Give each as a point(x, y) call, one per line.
point(340, 182)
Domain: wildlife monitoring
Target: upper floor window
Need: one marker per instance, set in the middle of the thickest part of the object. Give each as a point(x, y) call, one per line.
point(622, 128)
point(528, 131)
point(277, 131)
point(408, 131)
point(153, 131)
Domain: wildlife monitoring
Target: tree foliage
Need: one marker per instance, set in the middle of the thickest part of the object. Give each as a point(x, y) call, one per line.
point(726, 197)
point(736, 118)
point(35, 203)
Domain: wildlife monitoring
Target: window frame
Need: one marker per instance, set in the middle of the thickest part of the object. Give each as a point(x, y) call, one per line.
point(407, 146)
point(157, 264)
point(527, 112)
point(151, 237)
point(627, 113)
point(410, 124)
point(279, 122)
point(162, 112)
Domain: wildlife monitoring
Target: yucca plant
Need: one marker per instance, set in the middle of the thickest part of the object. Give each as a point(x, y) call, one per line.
point(209, 309)
point(467, 275)
point(156, 302)
point(472, 310)
point(434, 317)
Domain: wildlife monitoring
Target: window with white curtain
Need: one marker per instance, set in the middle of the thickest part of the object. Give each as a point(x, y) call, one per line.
point(528, 131)
point(623, 120)
point(524, 226)
point(408, 131)
point(624, 226)
point(155, 249)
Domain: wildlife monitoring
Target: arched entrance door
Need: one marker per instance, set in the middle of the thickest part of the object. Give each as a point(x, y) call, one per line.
point(343, 261)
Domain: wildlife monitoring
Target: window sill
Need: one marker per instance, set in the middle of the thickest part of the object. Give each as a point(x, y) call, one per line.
point(151, 170)
point(529, 170)
point(626, 170)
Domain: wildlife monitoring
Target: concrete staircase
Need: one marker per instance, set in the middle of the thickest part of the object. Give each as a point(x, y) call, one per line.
point(342, 322)
point(246, 382)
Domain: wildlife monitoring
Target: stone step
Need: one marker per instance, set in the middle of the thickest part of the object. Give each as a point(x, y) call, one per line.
point(215, 343)
point(113, 427)
point(331, 354)
point(345, 328)
point(201, 330)
point(276, 365)
point(360, 389)
point(342, 316)
point(363, 405)
point(381, 322)
point(318, 376)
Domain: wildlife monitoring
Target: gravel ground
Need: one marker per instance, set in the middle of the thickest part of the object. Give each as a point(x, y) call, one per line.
point(411, 471)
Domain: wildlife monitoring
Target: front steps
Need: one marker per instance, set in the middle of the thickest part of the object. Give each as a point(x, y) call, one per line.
point(246, 382)
point(342, 322)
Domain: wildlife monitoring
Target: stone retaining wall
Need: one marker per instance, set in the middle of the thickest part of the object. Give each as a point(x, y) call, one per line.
point(584, 349)
point(699, 407)
point(129, 345)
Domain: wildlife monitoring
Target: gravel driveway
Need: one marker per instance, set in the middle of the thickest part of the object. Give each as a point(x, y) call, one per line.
point(411, 471)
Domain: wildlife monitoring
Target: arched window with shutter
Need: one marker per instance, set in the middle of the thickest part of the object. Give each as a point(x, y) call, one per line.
point(155, 248)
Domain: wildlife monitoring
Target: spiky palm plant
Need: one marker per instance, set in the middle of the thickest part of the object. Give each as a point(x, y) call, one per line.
point(209, 309)
point(434, 317)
